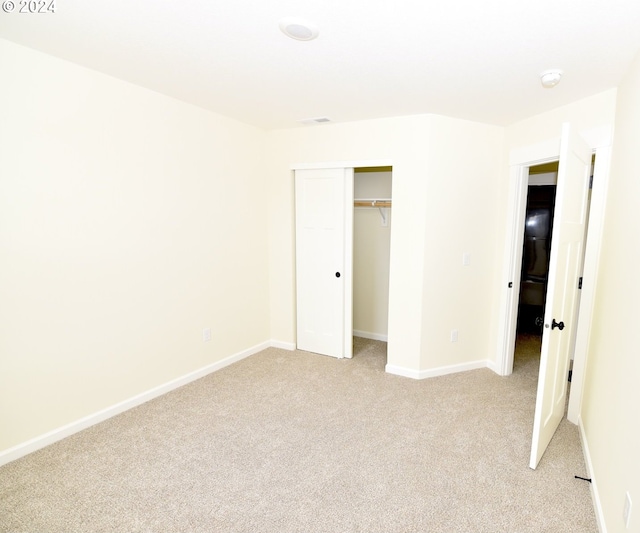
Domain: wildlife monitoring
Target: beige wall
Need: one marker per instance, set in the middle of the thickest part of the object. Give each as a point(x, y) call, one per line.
point(612, 392)
point(371, 255)
point(592, 117)
point(443, 171)
point(466, 180)
point(128, 223)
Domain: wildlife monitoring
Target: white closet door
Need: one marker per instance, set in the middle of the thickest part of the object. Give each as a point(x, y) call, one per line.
point(324, 241)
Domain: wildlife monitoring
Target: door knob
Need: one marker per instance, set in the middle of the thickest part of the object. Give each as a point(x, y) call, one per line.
point(337, 274)
point(559, 325)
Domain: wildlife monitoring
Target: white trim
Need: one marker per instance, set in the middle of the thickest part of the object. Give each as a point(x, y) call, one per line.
point(367, 335)
point(593, 247)
point(518, 183)
point(361, 163)
point(595, 495)
point(291, 346)
point(402, 371)
point(67, 430)
point(435, 372)
point(347, 329)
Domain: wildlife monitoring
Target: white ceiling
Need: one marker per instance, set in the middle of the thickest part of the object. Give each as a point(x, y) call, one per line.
point(477, 60)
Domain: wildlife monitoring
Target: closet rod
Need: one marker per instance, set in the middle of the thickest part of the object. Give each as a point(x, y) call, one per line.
point(372, 203)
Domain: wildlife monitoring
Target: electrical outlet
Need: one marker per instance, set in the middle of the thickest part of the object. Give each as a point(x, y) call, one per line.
point(626, 513)
point(454, 335)
point(206, 334)
point(466, 259)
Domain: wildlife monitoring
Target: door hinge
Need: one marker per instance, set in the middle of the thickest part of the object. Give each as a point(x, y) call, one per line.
point(580, 283)
point(591, 182)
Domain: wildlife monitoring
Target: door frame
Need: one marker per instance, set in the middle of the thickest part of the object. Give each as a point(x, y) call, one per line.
point(520, 160)
point(348, 247)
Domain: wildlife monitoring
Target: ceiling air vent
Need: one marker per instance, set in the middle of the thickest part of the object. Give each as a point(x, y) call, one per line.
point(317, 120)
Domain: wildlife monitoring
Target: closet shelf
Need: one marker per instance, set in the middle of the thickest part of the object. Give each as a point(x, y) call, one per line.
point(371, 203)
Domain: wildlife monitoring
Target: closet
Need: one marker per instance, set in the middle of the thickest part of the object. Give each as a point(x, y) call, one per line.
point(371, 251)
point(343, 235)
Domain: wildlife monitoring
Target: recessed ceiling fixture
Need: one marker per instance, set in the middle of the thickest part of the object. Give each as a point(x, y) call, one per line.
point(550, 78)
point(298, 29)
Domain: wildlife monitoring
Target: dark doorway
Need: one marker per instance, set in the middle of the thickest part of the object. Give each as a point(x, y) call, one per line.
point(535, 257)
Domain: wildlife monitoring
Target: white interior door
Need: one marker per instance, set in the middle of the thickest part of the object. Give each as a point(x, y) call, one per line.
point(324, 258)
point(561, 309)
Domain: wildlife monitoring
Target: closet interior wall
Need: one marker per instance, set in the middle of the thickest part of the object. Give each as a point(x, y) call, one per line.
point(371, 254)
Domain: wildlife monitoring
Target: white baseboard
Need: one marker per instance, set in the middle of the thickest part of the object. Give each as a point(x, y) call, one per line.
point(368, 335)
point(595, 496)
point(434, 372)
point(491, 365)
point(402, 371)
point(67, 430)
point(282, 345)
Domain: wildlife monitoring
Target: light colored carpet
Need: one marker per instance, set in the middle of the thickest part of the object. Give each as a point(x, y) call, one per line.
point(297, 442)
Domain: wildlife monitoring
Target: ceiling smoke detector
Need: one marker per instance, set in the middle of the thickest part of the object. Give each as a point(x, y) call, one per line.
point(550, 78)
point(298, 29)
